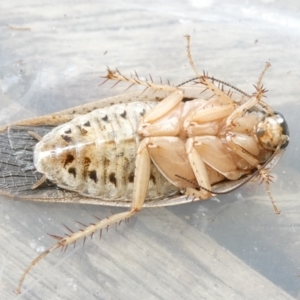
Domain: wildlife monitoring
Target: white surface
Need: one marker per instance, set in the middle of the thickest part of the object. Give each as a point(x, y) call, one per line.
point(234, 248)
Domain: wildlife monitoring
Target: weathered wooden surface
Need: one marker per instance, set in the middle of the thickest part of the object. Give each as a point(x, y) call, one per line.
point(51, 57)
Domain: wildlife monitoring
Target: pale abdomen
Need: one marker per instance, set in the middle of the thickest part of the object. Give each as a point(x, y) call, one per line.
point(94, 154)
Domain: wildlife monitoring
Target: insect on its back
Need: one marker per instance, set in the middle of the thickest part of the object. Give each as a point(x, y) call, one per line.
point(189, 144)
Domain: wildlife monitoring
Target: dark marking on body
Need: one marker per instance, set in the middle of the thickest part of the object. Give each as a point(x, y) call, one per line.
point(66, 138)
point(72, 171)
point(105, 118)
point(93, 176)
point(131, 177)
point(124, 114)
point(68, 131)
point(82, 130)
point(120, 154)
point(87, 124)
point(152, 177)
point(86, 161)
point(112, 178)
point(70, 158)
point(142, 112)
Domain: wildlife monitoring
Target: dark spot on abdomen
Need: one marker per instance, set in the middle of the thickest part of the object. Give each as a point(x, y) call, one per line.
point(66, 138)
point(72, 171)
point(105, 118)
point(86, 161)
point(131, 177)
point(113, 179)
point(123, 115)
point(68, 131)
point(93, 176)
point(152, 177)
point(82, 130)
point(70, 158)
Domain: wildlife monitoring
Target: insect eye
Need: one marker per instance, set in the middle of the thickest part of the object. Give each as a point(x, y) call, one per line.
point(285, 129)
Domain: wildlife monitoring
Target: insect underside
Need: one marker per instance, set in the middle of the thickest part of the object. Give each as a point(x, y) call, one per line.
point(165, 146)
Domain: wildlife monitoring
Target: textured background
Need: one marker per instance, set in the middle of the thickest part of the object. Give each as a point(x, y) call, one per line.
point(232, 247)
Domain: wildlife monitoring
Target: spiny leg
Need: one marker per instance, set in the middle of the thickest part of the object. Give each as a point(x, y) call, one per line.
point(260, 91)
point(204, 80)
point(188, 47)
point(199, 170)
point(141, 181)
point(259, 85)
point(72, 238)
point(116, 75)
point(263, 173)
point(256, 99)
point(267, 178)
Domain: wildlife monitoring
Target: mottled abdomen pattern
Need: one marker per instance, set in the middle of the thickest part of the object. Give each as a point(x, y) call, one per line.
point(95, 153)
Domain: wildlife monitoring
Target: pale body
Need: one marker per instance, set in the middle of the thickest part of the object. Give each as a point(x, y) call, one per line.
point(95, 154)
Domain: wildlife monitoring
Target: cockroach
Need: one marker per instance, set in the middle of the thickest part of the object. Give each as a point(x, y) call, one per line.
point(165, 146)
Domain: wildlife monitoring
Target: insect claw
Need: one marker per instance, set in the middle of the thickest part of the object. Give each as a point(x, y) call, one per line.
point(92, 234)
point(83, 242)
point(150, 77)
point(100, 234)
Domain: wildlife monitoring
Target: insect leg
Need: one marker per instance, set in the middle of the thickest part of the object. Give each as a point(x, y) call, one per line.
point(72, 238)
point(35, 135)
point(216, 155)
point(199, 170)
point(203, 79)
point(117, 76)
point(163, 107)
point(163, 119)
point(39, 182)
point(263, 172)
point(211, 111)
point(240, 151)
point(239, 111)
point(141, 181)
